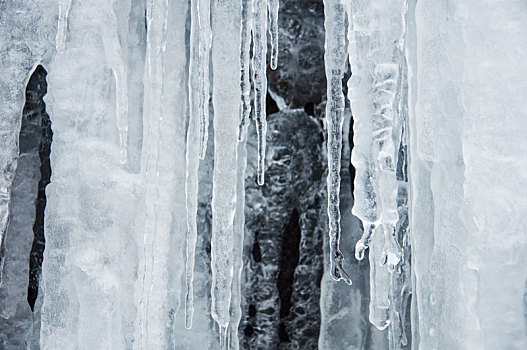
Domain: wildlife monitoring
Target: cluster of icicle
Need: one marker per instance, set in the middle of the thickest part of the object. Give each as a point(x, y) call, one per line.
point(373, 33)
point(222, 36)
point(233, 26)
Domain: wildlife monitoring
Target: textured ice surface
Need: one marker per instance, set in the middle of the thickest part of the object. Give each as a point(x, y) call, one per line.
point(468, 173)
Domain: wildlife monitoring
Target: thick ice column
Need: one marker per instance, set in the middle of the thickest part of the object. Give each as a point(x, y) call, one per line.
point(335, 59)
point(159, 288)
point(439, 236)
point(468, 124)
point(200, 40)
point(226, 101)
point(375, 52)
point(90, 258)
point(493, 143)
point(259, 67)
point(197, 133)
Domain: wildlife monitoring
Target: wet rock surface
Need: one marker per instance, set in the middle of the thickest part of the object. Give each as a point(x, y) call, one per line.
point(283, 235)
point(300, 79)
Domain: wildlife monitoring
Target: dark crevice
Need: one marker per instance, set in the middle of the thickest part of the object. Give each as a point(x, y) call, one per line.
point(351, 167)
point(37, 84)
point(256, 251)
point(270, 105)
point(309, 108)
point(288, 263)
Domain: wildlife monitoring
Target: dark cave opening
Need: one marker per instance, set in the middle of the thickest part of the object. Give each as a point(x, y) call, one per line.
point(35, 91)
point(288, 263)
point(270, 105)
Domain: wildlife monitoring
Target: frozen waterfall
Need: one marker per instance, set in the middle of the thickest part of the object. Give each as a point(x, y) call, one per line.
point(377, 201)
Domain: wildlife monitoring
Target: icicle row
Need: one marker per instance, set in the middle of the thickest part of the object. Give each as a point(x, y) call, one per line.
point(192, 160)
point(260, 81)
point(273, 19)
point(335, 58)
point(205, 37)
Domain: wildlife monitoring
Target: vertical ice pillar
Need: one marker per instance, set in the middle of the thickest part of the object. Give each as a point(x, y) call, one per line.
point(158, 288)
point(335, 59)
point(376, 31)
point(344, 324)
point(90, 261)
point(259, 68)
point(226, 99)
point(468, 186)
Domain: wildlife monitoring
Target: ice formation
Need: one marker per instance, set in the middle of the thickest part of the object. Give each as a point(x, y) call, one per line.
point(436, 101)
point(335, 66)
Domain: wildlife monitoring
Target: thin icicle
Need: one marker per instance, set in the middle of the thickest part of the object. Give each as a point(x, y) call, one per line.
point(192, 160)
point(335, 59)
point(226, 101)
point(245, 59)
point(62, 26)
point(273, 30)
point(260, 81)
point(237, 252)
point(205, 37)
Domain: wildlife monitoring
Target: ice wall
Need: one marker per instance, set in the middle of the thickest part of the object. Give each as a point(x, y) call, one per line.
point(467, 174)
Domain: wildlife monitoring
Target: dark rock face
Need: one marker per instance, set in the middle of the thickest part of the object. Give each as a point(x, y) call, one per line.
point(300, 78)
point(44, 150)
point(284, 261)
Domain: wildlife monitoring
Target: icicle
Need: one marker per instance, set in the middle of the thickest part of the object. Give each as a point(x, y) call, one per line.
point(260, 81)
point(200, 21)
point(245, 48)
point(226, 101)
point(273, 30)
point(237, 253)
point(335, 58)
point(64, 9)
point(192, 159)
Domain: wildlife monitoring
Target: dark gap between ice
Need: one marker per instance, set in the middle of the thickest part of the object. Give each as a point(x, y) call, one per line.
point(35, 91)
point(288, 263)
